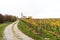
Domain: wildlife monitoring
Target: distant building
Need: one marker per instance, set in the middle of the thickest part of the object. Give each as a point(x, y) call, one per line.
point(29, 17)
point(22, 16)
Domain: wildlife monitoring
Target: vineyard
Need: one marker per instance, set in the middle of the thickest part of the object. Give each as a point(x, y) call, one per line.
point(46, 29)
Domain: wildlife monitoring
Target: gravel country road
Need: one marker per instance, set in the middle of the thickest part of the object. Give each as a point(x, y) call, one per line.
point(12, 32)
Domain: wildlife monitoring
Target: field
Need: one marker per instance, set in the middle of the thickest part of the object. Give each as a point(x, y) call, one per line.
point(25, 29)
point(2, 27)
point(41, 29)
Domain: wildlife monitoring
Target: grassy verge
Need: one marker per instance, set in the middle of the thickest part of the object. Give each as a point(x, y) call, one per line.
point(25, 29)
point(2, 27)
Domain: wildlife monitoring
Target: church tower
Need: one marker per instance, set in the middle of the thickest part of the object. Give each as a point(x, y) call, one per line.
point(21, 14)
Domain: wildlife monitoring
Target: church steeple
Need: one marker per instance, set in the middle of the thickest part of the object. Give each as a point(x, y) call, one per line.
point(21, 14)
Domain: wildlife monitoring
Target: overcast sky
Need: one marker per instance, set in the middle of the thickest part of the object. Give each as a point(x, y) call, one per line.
point(34, 8)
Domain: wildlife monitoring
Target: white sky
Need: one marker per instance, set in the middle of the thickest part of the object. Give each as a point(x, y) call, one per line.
point(35, 8)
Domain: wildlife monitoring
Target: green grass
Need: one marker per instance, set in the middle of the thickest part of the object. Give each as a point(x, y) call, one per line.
point(45, 31)
point(2, 27)
point(25, 29)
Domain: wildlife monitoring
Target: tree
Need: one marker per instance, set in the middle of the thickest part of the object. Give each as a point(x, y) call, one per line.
point(1, 18)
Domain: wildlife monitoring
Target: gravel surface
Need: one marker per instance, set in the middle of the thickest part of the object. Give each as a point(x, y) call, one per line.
point(12, 32)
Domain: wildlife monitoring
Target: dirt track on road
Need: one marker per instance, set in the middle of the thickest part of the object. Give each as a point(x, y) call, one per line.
point(12, 32)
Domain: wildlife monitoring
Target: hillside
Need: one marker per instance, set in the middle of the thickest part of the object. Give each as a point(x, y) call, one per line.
point(46, 29)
